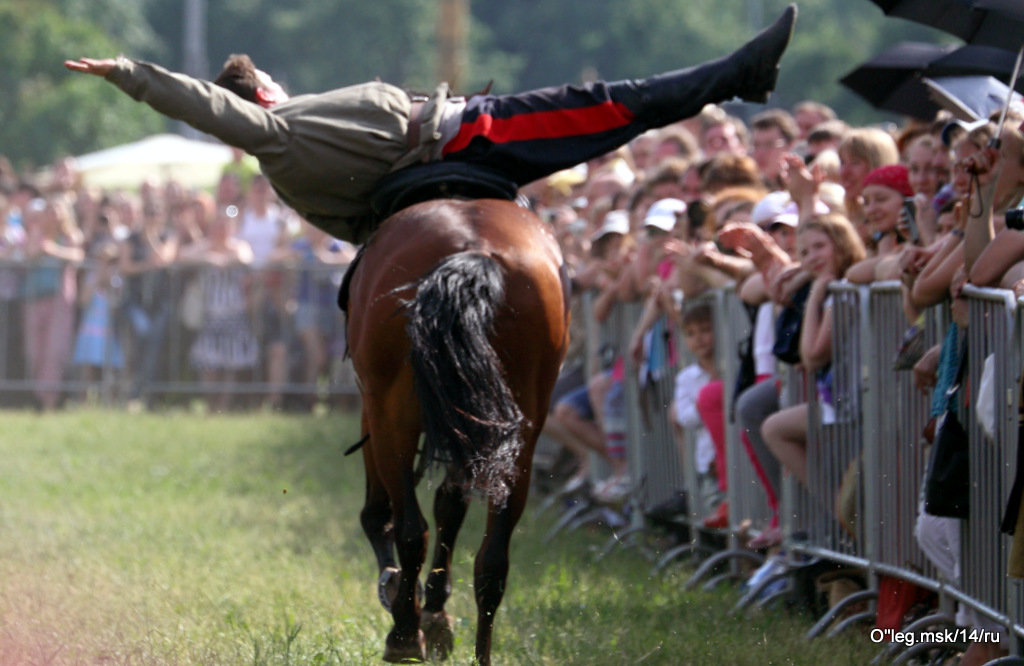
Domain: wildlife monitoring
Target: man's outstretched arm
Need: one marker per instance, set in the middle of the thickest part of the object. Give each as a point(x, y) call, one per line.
point(207, 107)
point(91, 65)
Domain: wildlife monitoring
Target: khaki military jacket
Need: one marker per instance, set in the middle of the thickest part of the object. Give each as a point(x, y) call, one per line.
point(323, 153)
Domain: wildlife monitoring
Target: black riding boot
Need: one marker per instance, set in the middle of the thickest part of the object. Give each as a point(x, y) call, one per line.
point(749, 73)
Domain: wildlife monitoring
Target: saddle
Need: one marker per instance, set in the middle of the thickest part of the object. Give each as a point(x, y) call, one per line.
point(438, 180)
point(424, 182)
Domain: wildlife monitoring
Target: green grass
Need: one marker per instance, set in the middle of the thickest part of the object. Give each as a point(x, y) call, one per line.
point(171, 539)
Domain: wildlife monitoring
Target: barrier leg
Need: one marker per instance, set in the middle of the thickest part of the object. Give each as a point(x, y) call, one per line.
point(935, 621)
point(715, 560)
point(672, 555)
point(619, 538)
point(566, 519)
point(830, 616)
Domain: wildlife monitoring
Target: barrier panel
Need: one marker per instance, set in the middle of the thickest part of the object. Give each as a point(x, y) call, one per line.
point(655, 467)
point(894, 418)
point(834, 437)
point(748, 502)
point(797, 508)
point(992, 459)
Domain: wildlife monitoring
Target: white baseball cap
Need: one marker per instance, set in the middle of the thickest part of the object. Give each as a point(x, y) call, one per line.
point(664, 213)
point(615, 222)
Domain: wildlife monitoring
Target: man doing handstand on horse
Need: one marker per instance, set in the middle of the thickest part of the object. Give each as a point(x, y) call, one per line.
point(326, 153)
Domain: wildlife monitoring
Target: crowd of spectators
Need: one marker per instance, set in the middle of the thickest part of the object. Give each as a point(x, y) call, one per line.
point(126, 294)
point(781, 206)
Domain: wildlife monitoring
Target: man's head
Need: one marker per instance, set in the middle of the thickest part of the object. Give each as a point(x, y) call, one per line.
point(772, 135)
point(241, 77)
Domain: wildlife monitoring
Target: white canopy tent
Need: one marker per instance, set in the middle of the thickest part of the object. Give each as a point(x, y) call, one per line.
point(161, 156)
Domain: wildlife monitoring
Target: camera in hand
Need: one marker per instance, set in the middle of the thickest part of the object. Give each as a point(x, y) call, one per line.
point(909, 218)
point(1015, 219)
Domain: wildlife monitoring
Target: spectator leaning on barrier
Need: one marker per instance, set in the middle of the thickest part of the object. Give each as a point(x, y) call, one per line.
point(770, 242)
point(883, 193)
point(97, 347)
point(575, 422)
point(318, 258)
point(829, 245)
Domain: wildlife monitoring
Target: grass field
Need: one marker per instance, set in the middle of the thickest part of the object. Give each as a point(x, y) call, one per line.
point(172, 539)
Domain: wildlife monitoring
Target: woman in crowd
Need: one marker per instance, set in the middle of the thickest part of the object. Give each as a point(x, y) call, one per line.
point(53, 245)
point(926, 178)
point(829, 246)
point(861, 151)
point(883, 193)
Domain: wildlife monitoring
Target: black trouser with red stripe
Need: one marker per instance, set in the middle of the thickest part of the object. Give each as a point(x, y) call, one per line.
point(533, 134)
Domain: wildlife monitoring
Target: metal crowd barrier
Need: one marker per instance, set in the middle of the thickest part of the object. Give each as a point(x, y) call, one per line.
point(983, 583)
point(654, 462)
point(895, 415)
point(155, 319)
point(879, 419)
point(834, 449)
point(748, 503)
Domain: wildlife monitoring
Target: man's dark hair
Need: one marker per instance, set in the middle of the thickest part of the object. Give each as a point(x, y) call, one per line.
point(830, 130)
point(239, 76)
point(779, 119)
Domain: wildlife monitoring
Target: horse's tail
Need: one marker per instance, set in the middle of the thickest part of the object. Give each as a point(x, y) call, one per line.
point(469, 414)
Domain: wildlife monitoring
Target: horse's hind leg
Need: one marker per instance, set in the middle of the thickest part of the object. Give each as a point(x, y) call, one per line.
point(405, 641)
point(492, 562)
point(450, 504)
point(376, 521)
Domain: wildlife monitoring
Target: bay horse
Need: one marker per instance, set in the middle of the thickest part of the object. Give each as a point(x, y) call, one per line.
point(457, 325)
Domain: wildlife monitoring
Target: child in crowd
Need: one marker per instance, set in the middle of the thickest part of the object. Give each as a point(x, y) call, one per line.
point(96, 346)
point(699, 336)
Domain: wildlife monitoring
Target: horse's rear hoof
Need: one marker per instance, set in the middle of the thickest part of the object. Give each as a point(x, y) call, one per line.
point(406, 654)
point(387, 587)
point(437, 627)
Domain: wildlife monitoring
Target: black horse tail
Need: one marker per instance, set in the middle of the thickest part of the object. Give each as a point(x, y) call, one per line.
point(470, 417)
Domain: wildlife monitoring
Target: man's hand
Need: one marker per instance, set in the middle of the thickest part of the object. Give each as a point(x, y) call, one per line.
point(91, 66)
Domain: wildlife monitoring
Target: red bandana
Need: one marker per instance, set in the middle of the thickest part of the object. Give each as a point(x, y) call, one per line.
point(893, 176)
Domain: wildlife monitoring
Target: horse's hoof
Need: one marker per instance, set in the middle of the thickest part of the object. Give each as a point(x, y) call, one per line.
point(406, 654)
point(437, 627)
point(387, 587)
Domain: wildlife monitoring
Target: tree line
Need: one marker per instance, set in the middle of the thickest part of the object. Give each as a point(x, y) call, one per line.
point(314, 45)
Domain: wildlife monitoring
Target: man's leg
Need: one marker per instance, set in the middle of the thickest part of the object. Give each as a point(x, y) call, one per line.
point(533, 134)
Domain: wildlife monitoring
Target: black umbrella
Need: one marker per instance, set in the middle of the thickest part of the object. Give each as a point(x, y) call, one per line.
point(891, 81)
point(998, 23)
point(1001, 24)
point(953, 16)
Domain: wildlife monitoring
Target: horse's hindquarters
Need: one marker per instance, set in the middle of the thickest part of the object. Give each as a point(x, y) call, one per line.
point(457, 326)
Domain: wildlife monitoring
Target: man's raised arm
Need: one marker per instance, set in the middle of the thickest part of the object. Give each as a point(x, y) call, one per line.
point(207, 107)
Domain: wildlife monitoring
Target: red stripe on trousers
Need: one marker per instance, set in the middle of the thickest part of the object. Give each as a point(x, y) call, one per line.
point(542, 125)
